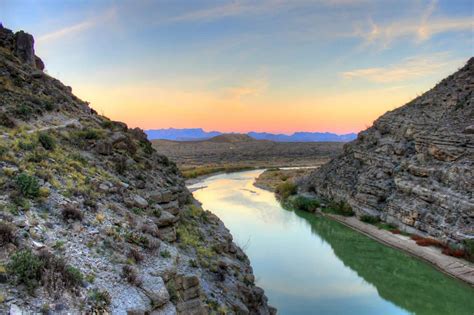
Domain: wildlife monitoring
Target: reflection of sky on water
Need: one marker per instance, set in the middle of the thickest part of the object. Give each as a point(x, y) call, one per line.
point(298, 270)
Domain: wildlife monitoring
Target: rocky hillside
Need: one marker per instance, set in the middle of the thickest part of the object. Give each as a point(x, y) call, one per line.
point(93, 219)
point(415, 166)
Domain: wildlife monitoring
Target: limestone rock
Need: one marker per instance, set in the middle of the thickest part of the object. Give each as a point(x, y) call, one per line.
point(414, 167)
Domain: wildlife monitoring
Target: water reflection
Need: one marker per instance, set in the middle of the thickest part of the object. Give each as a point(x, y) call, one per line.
point(311, 265)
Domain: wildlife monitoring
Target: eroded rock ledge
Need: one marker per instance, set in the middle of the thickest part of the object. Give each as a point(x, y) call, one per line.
point(414, 166)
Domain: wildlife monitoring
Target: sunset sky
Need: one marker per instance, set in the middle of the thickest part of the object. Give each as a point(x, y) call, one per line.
point(269, 65)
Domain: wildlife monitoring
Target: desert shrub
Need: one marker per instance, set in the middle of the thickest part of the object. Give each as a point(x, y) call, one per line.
point(136, 238)
point(70, 212)
point(370, 219)
point(26, 267)
point(90, 134)
point(304, 203)
point(99, 301)
point(3, 151)
point(286, 190)
point(27, 185)
point(421, 241)
point(135, 255)
point(23, 111)
point(27, 145)
point(7, 233)
point(340, 208)
point(48, 105)
point(130, 274)
point(57, 274)
point(149, 228)
point(47, 141)
point(6, 121)
point(454, 252)
point(120, 165)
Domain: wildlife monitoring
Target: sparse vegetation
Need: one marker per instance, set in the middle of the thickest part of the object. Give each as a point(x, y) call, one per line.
point(206, 170)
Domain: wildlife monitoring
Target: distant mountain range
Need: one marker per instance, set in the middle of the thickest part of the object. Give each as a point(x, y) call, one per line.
point(195, 134)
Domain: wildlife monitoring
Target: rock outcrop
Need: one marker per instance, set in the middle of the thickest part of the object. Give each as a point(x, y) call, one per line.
point(93, 220)
point(415, 166)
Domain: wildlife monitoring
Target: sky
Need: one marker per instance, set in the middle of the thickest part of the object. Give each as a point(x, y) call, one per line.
point(238, 66)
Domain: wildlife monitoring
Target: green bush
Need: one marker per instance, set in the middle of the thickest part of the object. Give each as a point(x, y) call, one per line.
point(370, 219)
point(340, 208)
point(47, 141)
point(303, 203)
point(90, 134)
point(27, 185)
point(6, 121)
point(469, 248)
point(26, 267)
point(286, 190)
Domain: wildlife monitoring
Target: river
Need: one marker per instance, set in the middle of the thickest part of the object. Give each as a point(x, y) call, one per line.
point(309, 264)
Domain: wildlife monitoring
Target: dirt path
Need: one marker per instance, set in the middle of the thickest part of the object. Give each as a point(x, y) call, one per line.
point(67, 123)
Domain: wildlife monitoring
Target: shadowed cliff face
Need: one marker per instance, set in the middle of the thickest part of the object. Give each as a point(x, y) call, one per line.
point(92, 219)
point(408, 285)
point(414, 166)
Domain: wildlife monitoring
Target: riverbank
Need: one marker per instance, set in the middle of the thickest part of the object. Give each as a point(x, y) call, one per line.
point(341, 261)
point(455, 267)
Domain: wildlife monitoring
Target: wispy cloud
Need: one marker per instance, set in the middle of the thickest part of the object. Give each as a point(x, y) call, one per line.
point(410, 68)
point(79, 27)
point(420, 28)
point(252, 88)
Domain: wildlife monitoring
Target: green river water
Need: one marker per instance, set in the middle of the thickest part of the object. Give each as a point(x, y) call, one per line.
point(312, 265)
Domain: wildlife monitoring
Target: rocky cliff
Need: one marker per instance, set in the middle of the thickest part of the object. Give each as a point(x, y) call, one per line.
point(93, 219)
point(415, 166)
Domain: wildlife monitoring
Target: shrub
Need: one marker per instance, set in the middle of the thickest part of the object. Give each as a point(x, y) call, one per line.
point(469, 248)
point(165, 254)
point(6, 121)
point(454, 252)
point(90, 134)
point(340, 208)
point(131, 275)
point(429, 242)
point(99, 300)
point(7, 233)
point(304, 204)
point(70, 212)
point(27, 185)
point(23, 111)
point(3, 151)
point(26, 267)
point(370, 219)
point(286, 190)
point(135, 255)
point(47, 141)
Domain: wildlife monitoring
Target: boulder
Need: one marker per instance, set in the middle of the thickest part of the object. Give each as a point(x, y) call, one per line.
point(155, 289)
point(166, 219)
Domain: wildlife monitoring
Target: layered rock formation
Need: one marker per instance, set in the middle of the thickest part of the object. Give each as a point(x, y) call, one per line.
point(92, 219)
point(415, 166)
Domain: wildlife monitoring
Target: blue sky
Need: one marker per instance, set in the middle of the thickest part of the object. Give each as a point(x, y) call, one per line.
point(278, 66)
